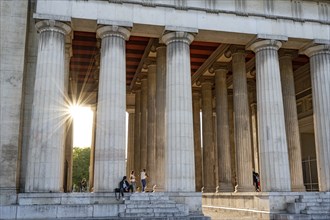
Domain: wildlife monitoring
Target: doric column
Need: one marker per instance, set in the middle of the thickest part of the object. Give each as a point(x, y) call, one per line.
point(291, 120)
point(160, 115)
point(46, 146)
point(151, 123)
point(320, 74)
point(274, 163)
point(130, 142)
point(111, 110)
point(143, 124)
point(179, 155)
point(254, 129)
point(137, 140)
point(197, 139)
point(242, 122)
point(207, 134)
point(232, 136)
point(223, 141)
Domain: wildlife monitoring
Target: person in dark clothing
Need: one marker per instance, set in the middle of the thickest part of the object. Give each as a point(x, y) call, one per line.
point(124, 186)
point(256, 181)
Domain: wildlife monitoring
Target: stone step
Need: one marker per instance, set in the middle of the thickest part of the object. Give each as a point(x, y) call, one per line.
point(323, 200)
point(297, 207)
point(316, 212)
point(321, 207)
point(320, 217)
point(285, 216)
point(314, 195)
point(146, 202)
point(152, 205)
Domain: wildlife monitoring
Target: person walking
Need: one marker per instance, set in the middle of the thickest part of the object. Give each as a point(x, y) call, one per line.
point(144, 176)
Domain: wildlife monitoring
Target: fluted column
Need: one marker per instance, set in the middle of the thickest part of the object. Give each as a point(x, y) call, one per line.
point(160, 116)
point(46, 144)
point(320, 74)
point(242, 122)
point(143, 124)
point(223, 141)
point(179, 150)
point(291, 121)
point(197, 140)
point(151, 123)
point(232, 136)
point(111, 110)
point(137, 131)
point(274, 163)
point(207, 134)
point(130, 143)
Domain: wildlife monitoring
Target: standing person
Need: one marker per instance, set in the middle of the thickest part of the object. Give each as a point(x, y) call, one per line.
point(144, 176)
point(133, 181)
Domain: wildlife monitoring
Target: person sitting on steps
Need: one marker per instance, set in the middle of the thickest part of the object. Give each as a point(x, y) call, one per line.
point(124, 186)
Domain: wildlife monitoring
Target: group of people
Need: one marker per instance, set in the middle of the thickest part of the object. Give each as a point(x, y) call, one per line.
point(125, 186)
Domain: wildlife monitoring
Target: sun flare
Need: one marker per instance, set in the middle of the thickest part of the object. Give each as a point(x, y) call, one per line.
point(82, 125)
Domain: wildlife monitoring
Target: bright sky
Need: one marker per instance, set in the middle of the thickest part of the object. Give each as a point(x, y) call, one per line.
point(82, 126)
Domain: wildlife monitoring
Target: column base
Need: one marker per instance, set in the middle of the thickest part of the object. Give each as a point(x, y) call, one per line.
point(225, 187)
point(298, 188)
point(209, 189)
point(244, 189)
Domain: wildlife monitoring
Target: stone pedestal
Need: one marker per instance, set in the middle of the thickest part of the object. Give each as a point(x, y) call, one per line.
point(274, 163)
point(179, 150)
point(291, 121)
point(46, 145)
point(223, 141)
point(242, 122)
point(111, 110)
point(320, 66)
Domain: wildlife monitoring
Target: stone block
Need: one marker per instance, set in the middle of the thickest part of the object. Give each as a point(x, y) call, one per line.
point(74, 211)
point(8, 212)
point(102, 210)
point(36, 211)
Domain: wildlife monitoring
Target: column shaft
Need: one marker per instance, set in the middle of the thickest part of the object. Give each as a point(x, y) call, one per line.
point(179, 156)
point(130, 144)
point(274, 163)
point(291, 123)
point(160, 116)
point(320, 66)
point(46, 146)
point(207, 132)
point(111, 110)
point(242, 123)
point(137, 140)
point(223, 141)
point(143, 124)
point(197, 140)
point(151, 128)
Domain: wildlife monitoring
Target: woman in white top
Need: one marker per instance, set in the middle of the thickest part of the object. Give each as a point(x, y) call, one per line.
point(144, 176)
point(133, 181)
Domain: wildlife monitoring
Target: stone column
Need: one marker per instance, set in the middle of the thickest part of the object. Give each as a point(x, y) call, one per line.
point(320, 66)
point(207, 134)
point(179, 155)
point(197, 139)
point(143, 124)
point(223, 141)
point(242, 122)
point(111, 110)
point(130, 143)
point(151, 124)
point(137, 140)
point(46, 146)
point(291, 120)
point(274, 163)
point(160, 116)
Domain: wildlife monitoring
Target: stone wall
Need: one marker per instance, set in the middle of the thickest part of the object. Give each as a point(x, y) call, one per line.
point(13, 17)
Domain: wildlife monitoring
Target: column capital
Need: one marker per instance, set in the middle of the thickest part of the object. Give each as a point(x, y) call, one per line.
point(207, 82)
point(265, 44)
point(317, 49)
point(113, 30)
point(52, 25)
point(286, 53)
point(157, 46)
point(196, 91)
point(149, 62)
point(235, 49)
point(178, 36)
point(219, 67)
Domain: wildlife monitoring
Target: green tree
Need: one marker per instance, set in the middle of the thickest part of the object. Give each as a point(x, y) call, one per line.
point(80, 168)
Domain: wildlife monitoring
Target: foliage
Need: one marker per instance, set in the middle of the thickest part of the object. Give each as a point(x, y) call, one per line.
point(80, 168)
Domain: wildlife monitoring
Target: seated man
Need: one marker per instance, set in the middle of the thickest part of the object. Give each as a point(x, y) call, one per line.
point(124, 186)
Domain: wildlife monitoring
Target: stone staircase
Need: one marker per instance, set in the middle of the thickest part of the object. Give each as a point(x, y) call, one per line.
point(308, 206)
point(153, 205)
